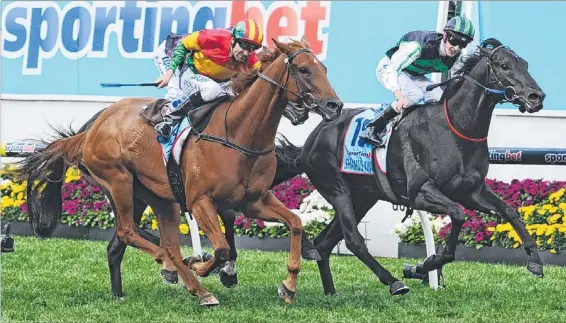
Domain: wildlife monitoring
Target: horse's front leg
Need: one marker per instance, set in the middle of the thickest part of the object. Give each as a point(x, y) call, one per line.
point(432, 200)
point(485, 200)
point(205, 213)
point(272, 210)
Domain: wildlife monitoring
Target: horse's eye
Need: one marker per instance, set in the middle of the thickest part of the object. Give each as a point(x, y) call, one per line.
point(304, 70)
point(504, 67)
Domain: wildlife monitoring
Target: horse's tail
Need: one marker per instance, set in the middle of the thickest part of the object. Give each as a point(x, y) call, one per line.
point(288, 160)
point(44, 173)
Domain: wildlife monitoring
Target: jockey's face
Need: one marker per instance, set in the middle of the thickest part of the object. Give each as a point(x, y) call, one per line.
point(242, 50)
point(454, 44)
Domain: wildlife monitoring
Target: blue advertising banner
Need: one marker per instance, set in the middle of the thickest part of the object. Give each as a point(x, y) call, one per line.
point(69, 47)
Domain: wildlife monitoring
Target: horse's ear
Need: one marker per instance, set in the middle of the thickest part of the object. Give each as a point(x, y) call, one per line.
point(284, 48)
point(305, 42)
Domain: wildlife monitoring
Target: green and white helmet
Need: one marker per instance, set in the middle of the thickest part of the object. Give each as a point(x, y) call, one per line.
point(461, 26)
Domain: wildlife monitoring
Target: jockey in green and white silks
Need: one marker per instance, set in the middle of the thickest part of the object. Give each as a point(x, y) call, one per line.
point(404, 67)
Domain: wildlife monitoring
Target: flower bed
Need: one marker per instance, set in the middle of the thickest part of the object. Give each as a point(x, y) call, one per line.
point(84, 205)
point(541, 205)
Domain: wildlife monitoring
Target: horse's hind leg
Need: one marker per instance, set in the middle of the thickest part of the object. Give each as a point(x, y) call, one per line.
point(331, 236)
point(272, 210)
point(485, 200)
point(116, 249)
point(228, 274)
point(354, 240)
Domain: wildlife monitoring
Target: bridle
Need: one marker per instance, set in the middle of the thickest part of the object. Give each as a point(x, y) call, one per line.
point(302, 95)
point(503, 90)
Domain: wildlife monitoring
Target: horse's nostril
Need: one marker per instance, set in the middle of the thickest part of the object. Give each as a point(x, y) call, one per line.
point(334, 104)
point(533, 97)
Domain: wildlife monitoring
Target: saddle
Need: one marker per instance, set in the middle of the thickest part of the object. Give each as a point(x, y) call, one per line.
point(198, 117)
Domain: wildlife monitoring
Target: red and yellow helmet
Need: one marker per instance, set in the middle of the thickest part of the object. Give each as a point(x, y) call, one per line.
point(249, 31)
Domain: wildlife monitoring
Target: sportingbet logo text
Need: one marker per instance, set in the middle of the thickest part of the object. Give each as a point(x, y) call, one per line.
point(505, 156)
point(38, 30)
point(555, 158)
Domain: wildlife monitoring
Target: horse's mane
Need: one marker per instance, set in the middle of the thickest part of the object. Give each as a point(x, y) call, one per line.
point(242, 80)
point(468, 63)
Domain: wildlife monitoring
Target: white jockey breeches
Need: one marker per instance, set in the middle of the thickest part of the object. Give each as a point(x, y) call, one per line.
point(190, 82)
point(413, 87)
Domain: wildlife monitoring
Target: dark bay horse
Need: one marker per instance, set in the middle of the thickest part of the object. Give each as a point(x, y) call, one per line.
point(232, 166)
point(437, 159)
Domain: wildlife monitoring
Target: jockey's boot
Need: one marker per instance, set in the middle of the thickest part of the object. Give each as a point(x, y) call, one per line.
point(371, 134)
point(172, 119)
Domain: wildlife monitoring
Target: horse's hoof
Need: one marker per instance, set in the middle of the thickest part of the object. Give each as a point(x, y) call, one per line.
point(311, 254)
point(535, 269)
point(169, 277)
point(285, 294)
point(208, 300)
point(120, 297)
point(228, 280)
point(398, 288)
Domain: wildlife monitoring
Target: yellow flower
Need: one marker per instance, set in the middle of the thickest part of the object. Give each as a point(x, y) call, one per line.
point(201, 232)
point(554, 197)
point(541, 211)
point(514, 236)
point(554, 218)
point(154, 225)
point(541, 230)
point(491, 229)
point(516, 245)
point(562, 229)
point(184, 228)
point(504, 227)
point(20, 196)
point(72, 174)
point(528, 210)
point(549, 241)
point(549, 230)
point(7, 201)
point(552, 250)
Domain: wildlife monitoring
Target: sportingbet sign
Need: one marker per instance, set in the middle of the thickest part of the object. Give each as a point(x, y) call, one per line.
point(67, 48)
point(36, 31)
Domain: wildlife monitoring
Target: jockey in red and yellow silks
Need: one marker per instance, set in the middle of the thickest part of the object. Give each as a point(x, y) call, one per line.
point(210, 57)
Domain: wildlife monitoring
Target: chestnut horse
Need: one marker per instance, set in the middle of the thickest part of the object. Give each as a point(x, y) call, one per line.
point(232, 165)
